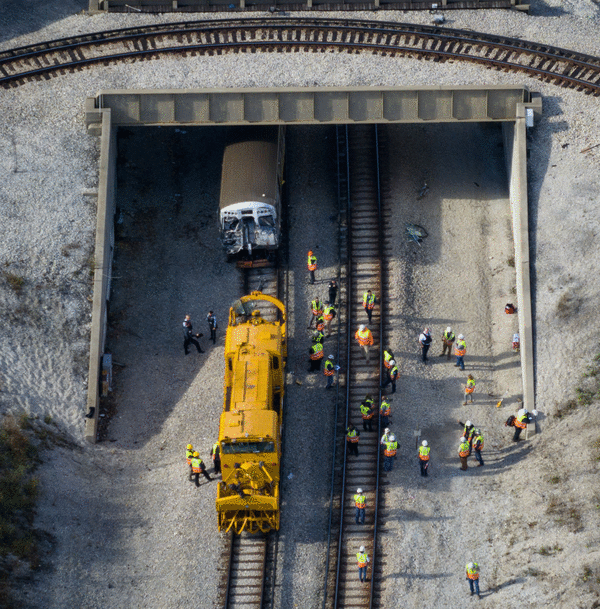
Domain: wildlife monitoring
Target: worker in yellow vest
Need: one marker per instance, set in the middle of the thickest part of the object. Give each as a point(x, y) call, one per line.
point(385, 411)
point(388, 356)
point(198, 468)
point(352, 436)
point(469, 389)
point(448, 338)
point(472, 570)
point(329, 371)
point(424, 457)
point(369, 301)
point(478, 446)
point(316, 309)
point(460, 350)
point(367, 412)
point(360, 502)
point(365, 339)
point(189, 453)
point(523, 417)
point(328, 315)
point(312, 265)
point(363, 560)
point(464, 450)
point(215, 453)
point(389, 453)
point(316, 355)
point(392, 376)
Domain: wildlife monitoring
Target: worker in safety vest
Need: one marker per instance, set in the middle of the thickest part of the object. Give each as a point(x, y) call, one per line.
point(189, 453)
point(468, 431)
point(388, 356)
point(328, 315)
point(385, 411)
point(363, 560)
point(318, 336)
point(424, 457)
point(312, 265)
point(460, 350)
point(448, 338)
point(464, 450)
point(365, 339)
point(469, 389)
point(478, 446)
point(389, 452)
point(369, 301)
point(316, 355)
point(367, 412)
point(352, 435)
point(329, 371)
point(360, 502)
point(316, 309)
point(392, 376)
point(385, 437)
point(320, 323)
point(215, 453)
point(523, 417)
point(198, 468)
point(472, 575)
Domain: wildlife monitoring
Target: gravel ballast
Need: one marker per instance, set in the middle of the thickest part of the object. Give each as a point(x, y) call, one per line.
point(130, 530)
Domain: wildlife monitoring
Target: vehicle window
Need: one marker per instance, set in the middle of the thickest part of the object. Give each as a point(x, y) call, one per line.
point(248, 447)
point(266, 221)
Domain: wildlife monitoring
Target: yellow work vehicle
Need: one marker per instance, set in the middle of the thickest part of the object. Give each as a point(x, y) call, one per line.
point(250, 425)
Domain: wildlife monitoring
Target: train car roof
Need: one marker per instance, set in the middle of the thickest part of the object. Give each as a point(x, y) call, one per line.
point(235, 424)
point(249, 173)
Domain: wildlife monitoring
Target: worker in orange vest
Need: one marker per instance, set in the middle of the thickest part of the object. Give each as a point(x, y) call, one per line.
point(365, 339)
point(469, 389)
point(472, 575)
point(316, 309)
point(424, 457)
point(368, 303)
point(360, 502)
point(367, 412)
point(363, 560)
point(316, 355)
point(460, 350)
point(464, 450)
point(312, 265)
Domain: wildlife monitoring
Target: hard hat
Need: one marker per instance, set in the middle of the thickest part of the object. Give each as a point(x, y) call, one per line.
point(361, 549)
point(331, 357)
point(470, 565)
point(461, 337)
point(361, 327)
point(424, 442)
point(392, 362)
point(310, 252)
point(521, 412)
point(477, 432)
point(392, 438)
point(189, 447)
point(463, 440)
point(448, 329)
point(534, 413)
point(387, 430)
point(196, 454)
point(468, 424)
point(359, 490)
point(187, 317)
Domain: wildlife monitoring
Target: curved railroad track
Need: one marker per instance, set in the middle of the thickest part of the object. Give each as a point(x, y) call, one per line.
point(281, 34)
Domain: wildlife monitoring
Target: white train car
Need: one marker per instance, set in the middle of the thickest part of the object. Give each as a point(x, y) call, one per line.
point(250, 199)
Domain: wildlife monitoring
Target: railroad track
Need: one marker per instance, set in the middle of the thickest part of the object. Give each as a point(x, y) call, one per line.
point(45, 60)
point(361, 173)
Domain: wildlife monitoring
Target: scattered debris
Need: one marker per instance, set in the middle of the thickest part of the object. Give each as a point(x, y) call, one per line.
point(424, 190)
point(415, 233)
point(590, 148)
point(439, 19)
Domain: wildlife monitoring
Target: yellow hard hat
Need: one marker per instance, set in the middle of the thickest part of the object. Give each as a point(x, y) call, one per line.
point(189, 447)
point(196, 454)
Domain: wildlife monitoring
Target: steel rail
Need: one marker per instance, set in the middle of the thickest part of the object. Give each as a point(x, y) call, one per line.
point(565, 66)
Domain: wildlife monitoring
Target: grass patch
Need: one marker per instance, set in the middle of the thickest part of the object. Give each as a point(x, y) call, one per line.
point(15, 282)
point(587, 392)
point(568, 304)
point(555, 479)
point(549, 550)
point(511, 261)
point(67, 249)
point(565, 514)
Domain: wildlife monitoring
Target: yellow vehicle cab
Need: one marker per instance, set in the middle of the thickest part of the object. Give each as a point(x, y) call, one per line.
point(250, 425)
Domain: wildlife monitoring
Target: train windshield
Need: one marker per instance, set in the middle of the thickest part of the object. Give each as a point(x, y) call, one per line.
point(246, 308)
point(248, 447)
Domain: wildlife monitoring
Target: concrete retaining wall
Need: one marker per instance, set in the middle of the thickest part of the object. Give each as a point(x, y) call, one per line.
point(102, 268)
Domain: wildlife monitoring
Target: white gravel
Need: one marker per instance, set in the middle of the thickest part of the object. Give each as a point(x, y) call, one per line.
point(47, 225)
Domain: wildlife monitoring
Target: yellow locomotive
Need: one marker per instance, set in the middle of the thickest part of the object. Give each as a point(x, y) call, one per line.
point(250, 425)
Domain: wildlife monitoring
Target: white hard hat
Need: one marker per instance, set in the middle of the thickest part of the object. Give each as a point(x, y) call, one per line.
point(521, 412)
point(470, 565)
point(361, 327)
point(534, 413)
point(448, 329)
point(463, 440)
point(361, 549)
point(392, 362)
point(387, 430)
point(461, 336)
point(331, 357)
point(468, 423)
point(424, 442)
point(359, 490)
point(392, 438)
